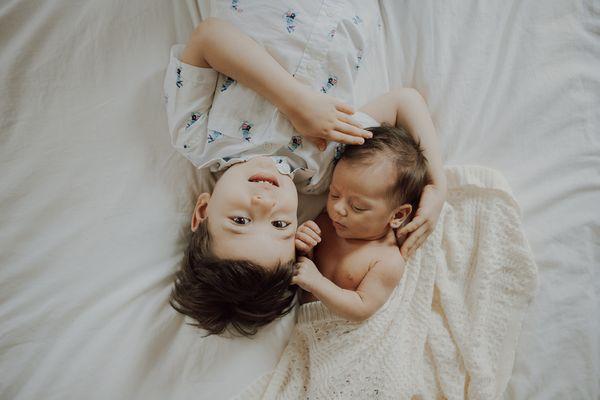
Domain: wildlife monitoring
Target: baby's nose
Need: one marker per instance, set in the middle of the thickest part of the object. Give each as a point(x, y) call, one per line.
point(340, 209)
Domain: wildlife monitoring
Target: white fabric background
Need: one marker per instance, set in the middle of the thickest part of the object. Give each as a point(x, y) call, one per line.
point(94, 203)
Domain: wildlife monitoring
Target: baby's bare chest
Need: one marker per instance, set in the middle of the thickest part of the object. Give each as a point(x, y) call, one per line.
point(345, 264)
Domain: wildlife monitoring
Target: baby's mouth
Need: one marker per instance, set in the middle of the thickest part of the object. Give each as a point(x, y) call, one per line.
point(338, 225)
point(264, 177)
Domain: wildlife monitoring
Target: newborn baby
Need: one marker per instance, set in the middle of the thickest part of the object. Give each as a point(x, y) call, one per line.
point(353, 260)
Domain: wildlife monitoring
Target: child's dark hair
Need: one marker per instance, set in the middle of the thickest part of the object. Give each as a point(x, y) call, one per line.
point(406, 154)
point(219, 294)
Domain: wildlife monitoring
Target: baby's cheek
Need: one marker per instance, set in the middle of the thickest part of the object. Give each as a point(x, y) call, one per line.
point(369, 223)
point(329, 207)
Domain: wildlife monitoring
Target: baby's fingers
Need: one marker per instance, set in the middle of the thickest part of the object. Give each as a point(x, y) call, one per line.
point(304, 237)
point(301, 246)
point(312, 225)
point(310, 232)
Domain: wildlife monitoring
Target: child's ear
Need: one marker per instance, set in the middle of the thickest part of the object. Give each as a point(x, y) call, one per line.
point(200, 211)
point(400, 216)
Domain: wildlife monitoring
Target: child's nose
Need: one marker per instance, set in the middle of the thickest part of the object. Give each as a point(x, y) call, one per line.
point(263, 202)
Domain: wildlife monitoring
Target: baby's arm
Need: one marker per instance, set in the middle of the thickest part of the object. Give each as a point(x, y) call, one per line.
point(221, 46)
point(354, 305)
point(406, 107)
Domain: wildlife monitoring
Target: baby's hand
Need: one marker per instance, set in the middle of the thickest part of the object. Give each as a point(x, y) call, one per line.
point(306, 274)
point(320, 117)
point(307, 236)
point(414, 233)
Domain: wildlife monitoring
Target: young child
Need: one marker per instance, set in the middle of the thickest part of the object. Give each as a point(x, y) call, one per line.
point(237, 267)
point(374, 191)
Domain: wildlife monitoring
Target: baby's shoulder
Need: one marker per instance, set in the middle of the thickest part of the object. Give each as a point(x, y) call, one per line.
point(388, 261)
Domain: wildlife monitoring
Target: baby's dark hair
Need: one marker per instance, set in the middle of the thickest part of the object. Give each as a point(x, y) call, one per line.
point(220, 294)
point(406, 154)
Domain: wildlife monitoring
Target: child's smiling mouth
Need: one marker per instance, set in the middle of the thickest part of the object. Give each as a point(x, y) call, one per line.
point(264, 178)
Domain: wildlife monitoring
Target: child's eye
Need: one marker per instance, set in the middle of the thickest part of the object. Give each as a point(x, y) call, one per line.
point(334, 196)
point(240, 220)
point(280, 224)
point(358, 210)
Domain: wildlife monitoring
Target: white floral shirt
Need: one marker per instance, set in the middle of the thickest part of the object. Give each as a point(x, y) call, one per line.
point(215, 121)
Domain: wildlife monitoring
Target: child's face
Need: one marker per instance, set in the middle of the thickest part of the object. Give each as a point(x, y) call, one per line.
point(252, 213)
point(359, 205)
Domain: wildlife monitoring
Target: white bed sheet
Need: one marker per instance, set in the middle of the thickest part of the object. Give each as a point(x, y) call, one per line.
point(94, 203)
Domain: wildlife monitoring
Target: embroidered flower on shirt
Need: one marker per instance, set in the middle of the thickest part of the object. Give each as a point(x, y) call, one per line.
point(235, 6)
point(357, 20)
point(213, 135)
point(359, 57)
point(193, 118)
point(227, 83)
point(245, 128)
point(331, 34)
point(179, 81)
point(339, 150)
point(290, 21)
point(295, 143)
point(331, 82)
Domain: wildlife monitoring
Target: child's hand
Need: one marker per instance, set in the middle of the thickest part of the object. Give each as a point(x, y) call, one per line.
point(430, 206)
point(307, 236)
point(306, 274)
point(321, 118)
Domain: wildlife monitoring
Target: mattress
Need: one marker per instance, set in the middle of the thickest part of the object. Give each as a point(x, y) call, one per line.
point(95, 204)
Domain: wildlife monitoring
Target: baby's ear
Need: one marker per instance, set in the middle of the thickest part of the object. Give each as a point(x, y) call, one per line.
point(200, 210)
point(400, 215)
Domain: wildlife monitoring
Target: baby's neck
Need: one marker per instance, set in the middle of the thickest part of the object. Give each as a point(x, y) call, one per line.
point(386, 237)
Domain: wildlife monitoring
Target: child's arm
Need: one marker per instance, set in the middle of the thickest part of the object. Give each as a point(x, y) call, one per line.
point(407, 107)
point(373, 291)
point(221, 46)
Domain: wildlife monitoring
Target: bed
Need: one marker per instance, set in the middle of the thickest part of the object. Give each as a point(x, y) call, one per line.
point(94, 202)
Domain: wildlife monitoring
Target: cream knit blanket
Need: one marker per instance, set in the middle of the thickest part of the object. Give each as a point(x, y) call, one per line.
point(449, 330)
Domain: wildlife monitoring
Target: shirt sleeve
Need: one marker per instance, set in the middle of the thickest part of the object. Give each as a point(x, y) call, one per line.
point(189, 92)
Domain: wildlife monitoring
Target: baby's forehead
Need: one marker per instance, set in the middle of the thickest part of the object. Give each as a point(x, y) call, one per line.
point(376, 166)
point(371, 178)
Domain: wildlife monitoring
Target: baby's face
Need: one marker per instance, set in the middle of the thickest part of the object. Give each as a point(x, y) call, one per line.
point(252, 213)
point(358, 202)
